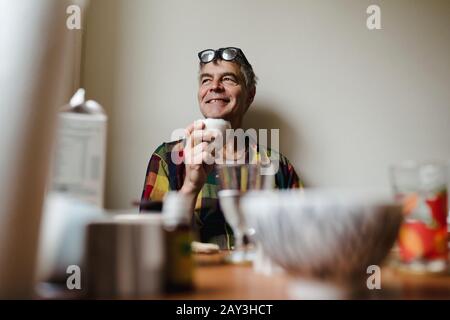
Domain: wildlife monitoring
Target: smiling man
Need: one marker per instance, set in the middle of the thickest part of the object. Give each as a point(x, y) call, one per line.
point(227, 87)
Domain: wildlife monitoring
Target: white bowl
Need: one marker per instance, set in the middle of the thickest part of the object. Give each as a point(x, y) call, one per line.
point(323, 234)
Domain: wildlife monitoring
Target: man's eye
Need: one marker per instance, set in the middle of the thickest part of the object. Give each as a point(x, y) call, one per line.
point(229, 79)
point(205, 81)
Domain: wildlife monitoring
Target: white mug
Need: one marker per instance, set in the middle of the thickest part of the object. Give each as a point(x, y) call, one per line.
point(217, 124)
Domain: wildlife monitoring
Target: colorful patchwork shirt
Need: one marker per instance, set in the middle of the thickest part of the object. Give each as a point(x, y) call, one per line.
point(164, 175)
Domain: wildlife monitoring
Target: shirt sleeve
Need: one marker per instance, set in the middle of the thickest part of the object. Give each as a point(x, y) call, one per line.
point(287, 178)
point(156, 179)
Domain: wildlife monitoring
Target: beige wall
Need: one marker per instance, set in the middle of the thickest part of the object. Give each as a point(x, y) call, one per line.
point(349, 101)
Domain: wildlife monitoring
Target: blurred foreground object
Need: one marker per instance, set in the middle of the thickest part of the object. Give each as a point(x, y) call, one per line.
point(206, 248)
point(32, 79)
point(63, 234)
point(125, 257)
point(178, 237)
point(421, 188)
point(325, 236)
point(79, 168)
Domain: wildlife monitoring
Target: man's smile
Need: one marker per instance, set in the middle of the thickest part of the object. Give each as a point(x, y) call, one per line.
point(214, 100)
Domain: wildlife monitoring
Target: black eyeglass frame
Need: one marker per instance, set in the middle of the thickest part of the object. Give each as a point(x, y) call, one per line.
point(219, 53)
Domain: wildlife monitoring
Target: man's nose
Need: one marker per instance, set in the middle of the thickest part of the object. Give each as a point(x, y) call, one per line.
point(216, 85)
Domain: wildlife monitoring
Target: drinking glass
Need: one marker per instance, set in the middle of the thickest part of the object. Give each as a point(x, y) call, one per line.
point(421, 188)
point(234, 181)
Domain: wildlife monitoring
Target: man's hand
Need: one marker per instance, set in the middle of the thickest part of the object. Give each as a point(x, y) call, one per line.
point(198, 159)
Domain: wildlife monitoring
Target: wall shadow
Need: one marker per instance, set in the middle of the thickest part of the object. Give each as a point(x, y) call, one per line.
point(264, 116)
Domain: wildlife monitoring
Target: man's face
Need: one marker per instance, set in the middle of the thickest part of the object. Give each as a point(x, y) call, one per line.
point(222, 92)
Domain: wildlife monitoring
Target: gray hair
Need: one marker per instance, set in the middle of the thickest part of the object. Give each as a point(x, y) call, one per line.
point(247, 71)
point(249, 75)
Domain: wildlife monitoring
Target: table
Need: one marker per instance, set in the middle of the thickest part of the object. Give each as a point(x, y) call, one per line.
point(216, 280)
point(229, 282)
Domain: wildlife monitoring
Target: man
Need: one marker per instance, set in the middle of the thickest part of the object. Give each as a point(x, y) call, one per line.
point(227, 87)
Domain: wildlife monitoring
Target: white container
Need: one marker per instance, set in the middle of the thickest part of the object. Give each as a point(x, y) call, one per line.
point(80, 155)
point(62, 235)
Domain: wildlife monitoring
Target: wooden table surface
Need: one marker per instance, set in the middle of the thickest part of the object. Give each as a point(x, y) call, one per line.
point(224, 281)
point(220, 281)
point(216, 280)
